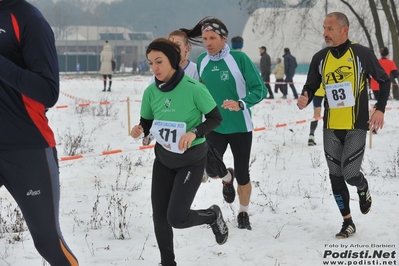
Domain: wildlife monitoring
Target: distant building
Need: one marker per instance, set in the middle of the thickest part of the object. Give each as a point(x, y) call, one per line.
point(84, 44)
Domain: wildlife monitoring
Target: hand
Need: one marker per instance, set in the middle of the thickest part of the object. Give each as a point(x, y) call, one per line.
point(231, 105)
point(376, 120)
point(303, 100)
point(137, 132)
point(186, 140)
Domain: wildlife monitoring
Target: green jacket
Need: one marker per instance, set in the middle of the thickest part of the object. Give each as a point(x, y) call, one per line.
point(234, 77)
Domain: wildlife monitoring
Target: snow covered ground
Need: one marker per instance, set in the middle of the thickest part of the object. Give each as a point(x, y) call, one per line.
point(105, 199)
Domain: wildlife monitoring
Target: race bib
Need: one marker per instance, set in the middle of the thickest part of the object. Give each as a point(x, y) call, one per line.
point(168, 134)
point(340, 95)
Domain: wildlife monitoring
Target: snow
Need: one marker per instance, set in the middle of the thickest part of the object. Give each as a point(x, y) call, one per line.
point(293, 214)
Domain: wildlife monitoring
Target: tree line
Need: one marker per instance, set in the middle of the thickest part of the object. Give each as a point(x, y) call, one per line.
point(370, 16)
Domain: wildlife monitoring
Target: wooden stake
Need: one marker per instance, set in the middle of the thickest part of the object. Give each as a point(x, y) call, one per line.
point(128, 116)
point(371, 139)
point(371, 132)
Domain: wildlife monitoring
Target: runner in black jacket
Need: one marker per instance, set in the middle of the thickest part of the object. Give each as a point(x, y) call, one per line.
point(342, 69)
point(29, 84)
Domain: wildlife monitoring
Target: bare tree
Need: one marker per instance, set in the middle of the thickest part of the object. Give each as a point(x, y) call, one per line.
point(393, 29)
point(362, 10)
point(62, 15)
point(62, 21)
point(377, 24)
point(277, 10)
point(395, 13)
point(361, 22)
point(270, 19)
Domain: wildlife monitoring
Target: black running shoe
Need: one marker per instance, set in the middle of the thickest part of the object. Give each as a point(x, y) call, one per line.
point(243, 221)
point(364, 198)
point(219, 226)
point(229, 193)
point(311, 141)
point(346, 230)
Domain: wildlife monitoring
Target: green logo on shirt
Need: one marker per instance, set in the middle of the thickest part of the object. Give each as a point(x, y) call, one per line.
point(224, 75)
point(168, 103)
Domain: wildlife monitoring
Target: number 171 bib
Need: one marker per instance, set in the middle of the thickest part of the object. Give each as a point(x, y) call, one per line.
point(168, 134)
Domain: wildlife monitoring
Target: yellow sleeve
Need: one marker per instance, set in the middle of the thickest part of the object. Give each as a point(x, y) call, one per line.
point(321, 91)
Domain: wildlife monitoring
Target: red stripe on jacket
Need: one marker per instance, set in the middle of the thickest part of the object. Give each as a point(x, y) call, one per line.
point(35, 109)
point(16, 28)
point(36, 112)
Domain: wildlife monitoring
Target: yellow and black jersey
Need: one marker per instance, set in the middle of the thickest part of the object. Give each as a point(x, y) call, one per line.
point(343, 73)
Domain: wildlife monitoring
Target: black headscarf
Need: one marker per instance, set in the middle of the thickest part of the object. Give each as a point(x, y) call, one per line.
point(170, 51)
point(174, 59)
point(216, 27)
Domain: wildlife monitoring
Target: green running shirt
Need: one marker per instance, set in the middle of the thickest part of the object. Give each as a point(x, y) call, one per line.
point(234, 77)
point(187, 102)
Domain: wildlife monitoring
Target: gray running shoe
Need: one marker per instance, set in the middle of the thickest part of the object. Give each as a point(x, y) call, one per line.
point(219, 226)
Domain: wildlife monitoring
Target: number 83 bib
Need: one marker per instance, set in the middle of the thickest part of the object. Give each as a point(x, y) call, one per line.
point(340, 95)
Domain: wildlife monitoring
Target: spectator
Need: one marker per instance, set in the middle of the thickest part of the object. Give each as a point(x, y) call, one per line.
point(143, 67)
point(122, 68)
point(290, 65)
point(29, 85)
point(265, 70)
point(391, 70)
point(134, 66)
point(278, 71)
point(106, 70)
point(78, 67)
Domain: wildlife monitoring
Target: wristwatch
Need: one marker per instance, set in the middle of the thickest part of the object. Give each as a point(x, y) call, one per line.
point(241, 105)
point(195, 131)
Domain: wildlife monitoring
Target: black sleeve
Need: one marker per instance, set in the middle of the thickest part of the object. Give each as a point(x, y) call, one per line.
point(395, 73)
point(146, 124)
point(385, 88)
point(310, 92)
point(212, 120)
point(39, 78)
point(313, 80)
